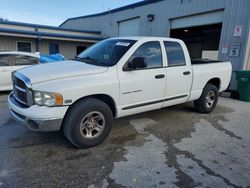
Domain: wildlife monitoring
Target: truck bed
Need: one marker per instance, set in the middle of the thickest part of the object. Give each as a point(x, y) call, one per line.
point(203, 72)
point(203, 61)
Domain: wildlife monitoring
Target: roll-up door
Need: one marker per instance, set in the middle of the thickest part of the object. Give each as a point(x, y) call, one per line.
point(129, 27)
point(198, 20)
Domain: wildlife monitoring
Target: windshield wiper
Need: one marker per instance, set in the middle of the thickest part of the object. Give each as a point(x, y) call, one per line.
point(93, 61)
point(85, 58)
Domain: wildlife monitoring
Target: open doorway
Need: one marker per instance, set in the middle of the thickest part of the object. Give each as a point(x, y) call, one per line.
point(80, 49)
point(202, 41)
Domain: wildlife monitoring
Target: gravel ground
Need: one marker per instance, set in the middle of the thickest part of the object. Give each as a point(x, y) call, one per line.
point(172, 147)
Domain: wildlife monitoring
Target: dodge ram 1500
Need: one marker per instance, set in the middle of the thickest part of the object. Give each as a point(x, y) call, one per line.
point(114, 78)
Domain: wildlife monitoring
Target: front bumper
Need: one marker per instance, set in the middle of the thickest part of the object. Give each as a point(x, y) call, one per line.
point(37, 118)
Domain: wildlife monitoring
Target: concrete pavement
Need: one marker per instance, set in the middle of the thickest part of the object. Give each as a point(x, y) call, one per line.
point(172, 147)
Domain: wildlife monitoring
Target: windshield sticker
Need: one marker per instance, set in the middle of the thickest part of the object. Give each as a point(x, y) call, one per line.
point(122, 44)
point(106, 56)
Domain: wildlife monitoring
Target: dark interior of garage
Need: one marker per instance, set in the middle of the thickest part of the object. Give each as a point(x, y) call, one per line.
point(80, 49)
point(199, 39)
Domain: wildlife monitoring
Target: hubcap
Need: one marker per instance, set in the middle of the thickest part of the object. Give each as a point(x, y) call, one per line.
point(210, 98)
point(92, 125)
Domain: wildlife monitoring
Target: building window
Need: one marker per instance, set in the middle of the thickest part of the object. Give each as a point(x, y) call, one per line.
point(80, 49)
point(24, 46)
point(53, 48)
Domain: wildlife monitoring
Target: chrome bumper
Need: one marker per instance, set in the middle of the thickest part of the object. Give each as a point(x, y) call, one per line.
point(40, 125)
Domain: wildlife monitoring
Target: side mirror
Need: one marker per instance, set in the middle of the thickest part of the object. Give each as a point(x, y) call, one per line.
point(136, 63)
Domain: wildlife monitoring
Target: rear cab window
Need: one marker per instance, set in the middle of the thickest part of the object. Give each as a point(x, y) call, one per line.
point(4, 60)
point(175, 54)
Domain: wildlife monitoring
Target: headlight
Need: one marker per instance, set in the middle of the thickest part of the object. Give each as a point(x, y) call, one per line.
point(47, 99)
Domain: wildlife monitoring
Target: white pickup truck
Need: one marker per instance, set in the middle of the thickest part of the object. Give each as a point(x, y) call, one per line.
point(114, 78)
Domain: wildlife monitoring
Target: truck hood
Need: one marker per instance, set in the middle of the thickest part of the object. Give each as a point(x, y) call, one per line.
point(58, 70)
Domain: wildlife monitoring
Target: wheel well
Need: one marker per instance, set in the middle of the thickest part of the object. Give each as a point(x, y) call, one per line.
point(104, 98)
point(215, 82)
point(108, 100)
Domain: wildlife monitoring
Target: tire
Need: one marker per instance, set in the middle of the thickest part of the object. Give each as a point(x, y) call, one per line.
point(208, 99)
point(84, 119)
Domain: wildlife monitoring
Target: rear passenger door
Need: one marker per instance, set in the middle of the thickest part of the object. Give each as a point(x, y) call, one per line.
point(178, 72)
point(5, 72)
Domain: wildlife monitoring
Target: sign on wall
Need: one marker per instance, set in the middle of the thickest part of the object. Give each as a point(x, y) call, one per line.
point(235, 50)
point(224, 49)
point(237, 30)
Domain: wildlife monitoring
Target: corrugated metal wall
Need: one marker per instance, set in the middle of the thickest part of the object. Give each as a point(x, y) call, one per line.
point(163, 11)
point(236, 12)
point(9, 43)
point(67, 48)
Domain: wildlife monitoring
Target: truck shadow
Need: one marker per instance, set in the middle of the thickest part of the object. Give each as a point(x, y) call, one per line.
point(5, 92)
point(14, 135)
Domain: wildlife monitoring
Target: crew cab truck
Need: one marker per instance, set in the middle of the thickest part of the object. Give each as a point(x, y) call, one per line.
point(114, 78)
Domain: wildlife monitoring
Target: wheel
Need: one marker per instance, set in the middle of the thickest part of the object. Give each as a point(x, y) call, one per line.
point(88, 123)
point(208, 99)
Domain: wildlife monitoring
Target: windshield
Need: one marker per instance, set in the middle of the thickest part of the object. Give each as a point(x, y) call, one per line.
point(106, 53)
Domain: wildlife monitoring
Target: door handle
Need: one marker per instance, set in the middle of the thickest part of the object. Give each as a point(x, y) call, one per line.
point(186, 73)
point(159, 76)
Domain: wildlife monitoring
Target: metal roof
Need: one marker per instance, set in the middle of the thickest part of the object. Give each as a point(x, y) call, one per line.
point(38, 34)
point(46, 27)
point(141, 3)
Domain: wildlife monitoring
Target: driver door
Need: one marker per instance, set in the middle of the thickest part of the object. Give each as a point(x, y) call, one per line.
point(143, 89)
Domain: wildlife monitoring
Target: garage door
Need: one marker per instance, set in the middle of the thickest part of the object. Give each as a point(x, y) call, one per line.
point(129, 27)
point(198, 20)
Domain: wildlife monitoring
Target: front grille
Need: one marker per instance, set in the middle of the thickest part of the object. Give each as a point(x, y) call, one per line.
point(21, 92)
point(19, 83)
point(20, 95)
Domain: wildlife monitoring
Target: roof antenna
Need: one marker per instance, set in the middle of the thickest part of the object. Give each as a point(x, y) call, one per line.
point(109, 16)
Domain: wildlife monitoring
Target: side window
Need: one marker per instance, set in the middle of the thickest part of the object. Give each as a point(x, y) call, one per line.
point(151, 51)
point(24, 46)
point(24, 60)
point(175, 54)
point(4, 60)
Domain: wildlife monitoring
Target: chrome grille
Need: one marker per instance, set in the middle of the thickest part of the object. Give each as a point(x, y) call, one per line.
point(20, 96)
point(19, 83)
point(21, 91)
